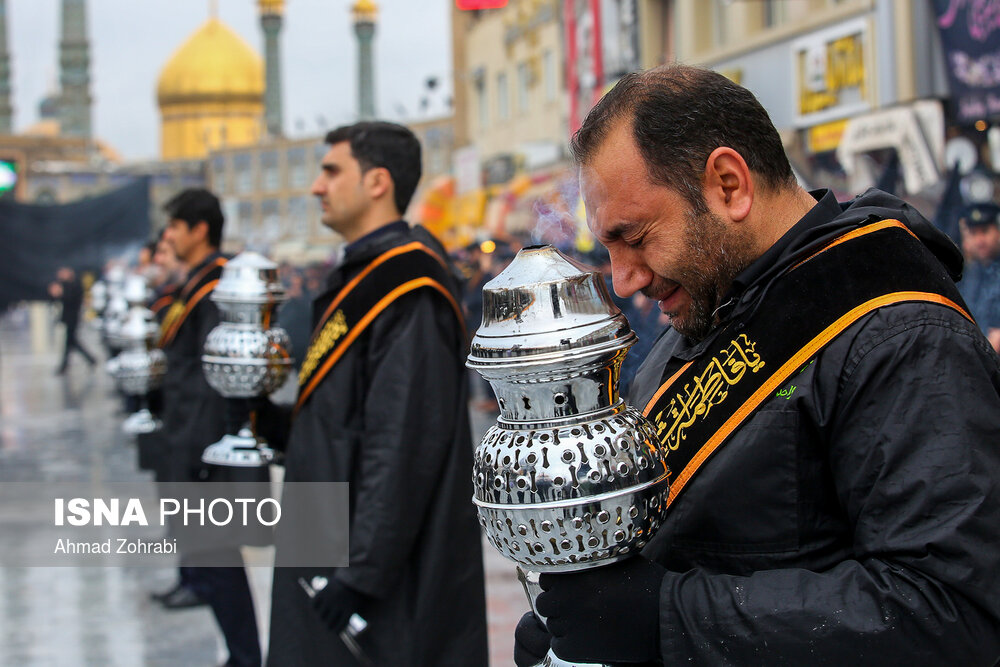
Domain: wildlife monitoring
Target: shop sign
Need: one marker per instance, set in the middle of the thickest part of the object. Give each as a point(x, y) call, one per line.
point(480, 4)
point(916, 132)
point(826, 137)
point(832, 73)
point(970, 36)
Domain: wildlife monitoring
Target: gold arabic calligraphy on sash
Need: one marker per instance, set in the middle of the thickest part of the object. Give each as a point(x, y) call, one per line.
point(709, 388)
point(174, 313)
point(323, 343)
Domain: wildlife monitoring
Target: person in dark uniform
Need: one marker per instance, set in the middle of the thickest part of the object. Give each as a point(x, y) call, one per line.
point(980, 286)
point(194, 414)
point(382, 405)
point(69, 291)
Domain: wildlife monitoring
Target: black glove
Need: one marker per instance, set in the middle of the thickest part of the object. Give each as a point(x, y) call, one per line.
point(335, 603)
point(531, 641)
point(608, 614)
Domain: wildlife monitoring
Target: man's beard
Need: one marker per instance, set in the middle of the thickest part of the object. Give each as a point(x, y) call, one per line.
point(715, 256)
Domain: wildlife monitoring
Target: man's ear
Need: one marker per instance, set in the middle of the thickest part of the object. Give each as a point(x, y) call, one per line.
point(729, 186)
point(378, 182)
point(201, 230)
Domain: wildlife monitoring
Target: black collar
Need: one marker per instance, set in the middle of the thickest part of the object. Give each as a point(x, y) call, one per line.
point(826, 209)
point(359, 244)
point(211, 258)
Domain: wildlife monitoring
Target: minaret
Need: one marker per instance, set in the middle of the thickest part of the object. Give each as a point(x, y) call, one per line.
point(364, 13)
point(74, 71)
point(270, 21)
point(6, 111)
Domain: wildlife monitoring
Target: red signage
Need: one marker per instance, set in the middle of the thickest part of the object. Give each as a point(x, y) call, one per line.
point(480, 4)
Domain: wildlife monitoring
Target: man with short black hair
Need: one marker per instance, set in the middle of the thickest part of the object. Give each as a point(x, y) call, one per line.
point(980, 286)
point(382, 405)
point(194, 413)
point(827, 407)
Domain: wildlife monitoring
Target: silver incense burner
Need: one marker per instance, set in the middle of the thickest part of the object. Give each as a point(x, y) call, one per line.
point(140, 367)
point(245, 356)
point(115, 312)
point(98, 302)
point(569, 477)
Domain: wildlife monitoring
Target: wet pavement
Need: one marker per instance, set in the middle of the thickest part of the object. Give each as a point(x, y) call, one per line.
point(67, 428)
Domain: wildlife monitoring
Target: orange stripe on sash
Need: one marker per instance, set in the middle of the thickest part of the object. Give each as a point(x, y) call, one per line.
point(362, 324)
point(783, 373)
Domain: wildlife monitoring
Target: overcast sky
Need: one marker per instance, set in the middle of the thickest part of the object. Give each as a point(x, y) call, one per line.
point(131, 40)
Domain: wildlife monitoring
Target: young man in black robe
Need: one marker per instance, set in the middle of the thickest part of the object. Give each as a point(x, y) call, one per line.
point(194, 414)
point(382, 406)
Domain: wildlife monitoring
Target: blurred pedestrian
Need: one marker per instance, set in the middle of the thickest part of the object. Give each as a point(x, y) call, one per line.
point(295, 314)
point(980, 286)
point(68, 290)
point(382, 405)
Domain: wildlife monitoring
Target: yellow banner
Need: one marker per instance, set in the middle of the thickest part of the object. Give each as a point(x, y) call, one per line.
point(826, 137)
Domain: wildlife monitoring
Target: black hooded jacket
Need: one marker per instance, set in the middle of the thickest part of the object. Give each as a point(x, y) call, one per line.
point(854, 519)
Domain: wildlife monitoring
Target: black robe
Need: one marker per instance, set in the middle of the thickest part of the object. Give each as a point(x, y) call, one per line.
point(193, 413)
point(391, 418)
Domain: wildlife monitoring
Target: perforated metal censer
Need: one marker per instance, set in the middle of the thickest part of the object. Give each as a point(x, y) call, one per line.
point(569, 477)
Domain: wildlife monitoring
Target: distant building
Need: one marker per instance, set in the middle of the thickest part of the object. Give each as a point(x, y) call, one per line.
point(509, 83)
point(265, 194)
point(437, 143)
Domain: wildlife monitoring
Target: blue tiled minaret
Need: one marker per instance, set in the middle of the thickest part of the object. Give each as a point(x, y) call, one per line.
point(6, 110)
point(270, 22)
point(74, 71)
point(365, 12)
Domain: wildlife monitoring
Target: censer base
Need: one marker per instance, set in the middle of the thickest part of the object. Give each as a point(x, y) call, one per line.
point(239, 451)
point(141, 422)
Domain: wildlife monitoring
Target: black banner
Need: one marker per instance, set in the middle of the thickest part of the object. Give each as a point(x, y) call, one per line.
point(970, 35)
point(37, 240)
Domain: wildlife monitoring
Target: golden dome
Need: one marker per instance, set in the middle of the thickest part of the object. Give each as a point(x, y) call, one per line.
point(271, 6)
point(364, 10)
point(214, 64)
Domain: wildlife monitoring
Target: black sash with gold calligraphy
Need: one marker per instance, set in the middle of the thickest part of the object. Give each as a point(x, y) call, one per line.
point(194, 290)
point(702, 403)
point(389, 276)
